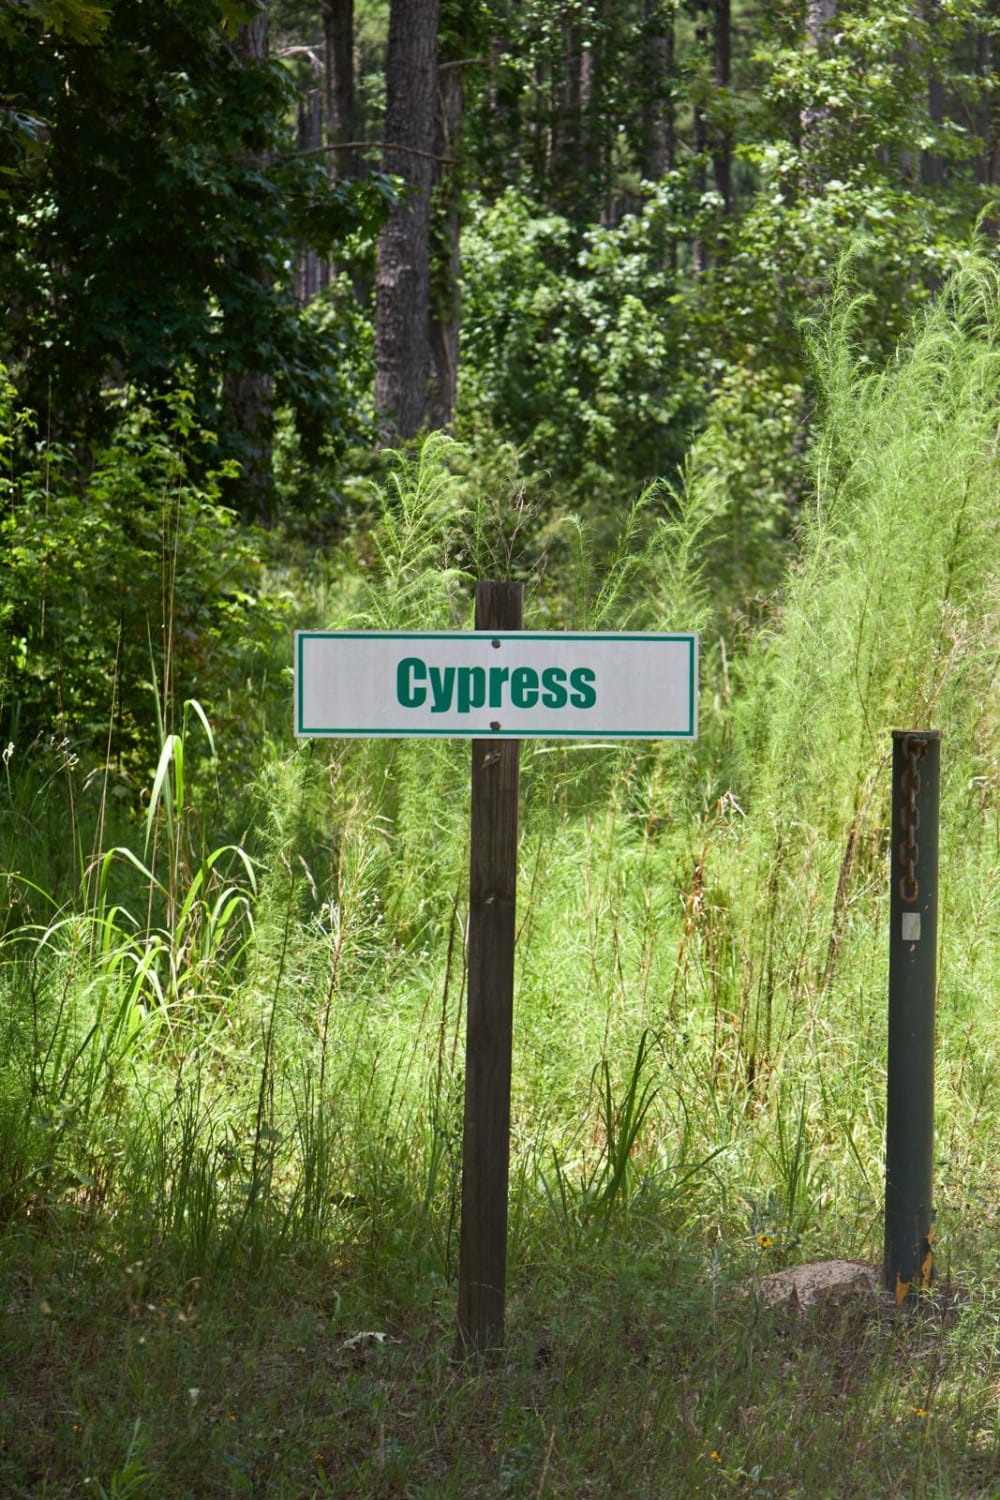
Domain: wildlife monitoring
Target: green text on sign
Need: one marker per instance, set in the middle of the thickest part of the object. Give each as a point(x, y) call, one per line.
point(475, 684)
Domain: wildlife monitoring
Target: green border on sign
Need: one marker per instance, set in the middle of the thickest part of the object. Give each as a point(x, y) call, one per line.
point(651, 637)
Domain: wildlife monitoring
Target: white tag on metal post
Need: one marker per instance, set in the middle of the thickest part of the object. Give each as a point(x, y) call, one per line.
point(911, 927)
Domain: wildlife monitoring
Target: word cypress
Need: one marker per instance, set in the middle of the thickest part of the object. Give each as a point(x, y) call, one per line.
point(466, 688)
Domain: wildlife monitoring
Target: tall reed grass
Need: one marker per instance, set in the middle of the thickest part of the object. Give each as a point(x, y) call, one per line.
point(226, 1062)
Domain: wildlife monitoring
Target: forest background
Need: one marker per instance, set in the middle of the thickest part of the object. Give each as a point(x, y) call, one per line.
point(685, 315)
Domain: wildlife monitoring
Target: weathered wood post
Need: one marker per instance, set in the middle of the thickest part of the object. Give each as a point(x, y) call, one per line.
point(495, 685)
point(492, 901)
point(913, 902)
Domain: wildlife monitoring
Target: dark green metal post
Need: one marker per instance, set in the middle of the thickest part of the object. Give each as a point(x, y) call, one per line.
point(913, 902)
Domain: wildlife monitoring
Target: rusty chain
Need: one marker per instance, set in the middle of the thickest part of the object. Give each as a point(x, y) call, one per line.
point(909, 850)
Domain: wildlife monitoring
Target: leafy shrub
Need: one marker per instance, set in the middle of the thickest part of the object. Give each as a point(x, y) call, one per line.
point(128, 580)
point(568, 344)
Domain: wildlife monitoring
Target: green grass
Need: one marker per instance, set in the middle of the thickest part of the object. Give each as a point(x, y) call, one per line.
point(632, 1368)
point(231, 1059)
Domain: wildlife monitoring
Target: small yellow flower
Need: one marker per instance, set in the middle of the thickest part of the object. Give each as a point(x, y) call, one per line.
point(765, 1241)
point(715, 1456)
point(919, 1411)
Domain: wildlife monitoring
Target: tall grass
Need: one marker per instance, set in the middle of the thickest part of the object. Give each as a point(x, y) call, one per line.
point(232, 1070)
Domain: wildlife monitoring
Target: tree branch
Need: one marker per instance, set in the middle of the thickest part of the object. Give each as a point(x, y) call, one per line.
point(309, 52)
point(450, 161)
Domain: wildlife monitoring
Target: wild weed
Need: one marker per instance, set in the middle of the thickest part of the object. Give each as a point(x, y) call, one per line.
point(231, 1065)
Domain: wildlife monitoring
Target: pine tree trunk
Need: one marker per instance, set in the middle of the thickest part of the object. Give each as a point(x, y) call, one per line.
point(932, 166)
point(988, 113)
point(338, 32)
point(658, 141)
point(249, 394)
point(566, 131)
point(311, 271)
point(444, 304)
point(722, 149)
point(814, 121)
point(593, 165)
point(402, 282)
point(699, 133)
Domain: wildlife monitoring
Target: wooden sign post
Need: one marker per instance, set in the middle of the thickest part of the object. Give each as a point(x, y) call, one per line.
point(482, 1276)
point(495, 685)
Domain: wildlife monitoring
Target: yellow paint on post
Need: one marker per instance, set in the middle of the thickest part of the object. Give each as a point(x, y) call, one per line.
point(926, 1276)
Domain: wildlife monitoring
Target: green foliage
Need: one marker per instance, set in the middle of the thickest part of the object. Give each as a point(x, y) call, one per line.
point(863, 92)
point(607, 320)
point(180, 608)
point(151, 242)
point(887, 620)
point(569, 349)
point(81, 21)
point(611, 1185)
point(595, 357)
point(333, 413)
point(564, 119)
point(230, 1068)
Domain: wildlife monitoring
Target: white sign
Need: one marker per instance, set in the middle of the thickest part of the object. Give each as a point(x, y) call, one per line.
point(479, 684)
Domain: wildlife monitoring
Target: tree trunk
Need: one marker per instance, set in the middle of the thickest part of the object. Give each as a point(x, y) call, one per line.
point(987, 124)
point(341, 115)
point(311, 271)
point(814, 120)
point(249, 394)
point(932, 166)
point(722, 149)
point(699, 131)
point(658, 141)
point(402, 281)
point(567, 116)
point(444, 305)
point(916, 62)
point(593, 168)
point(251, 43)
